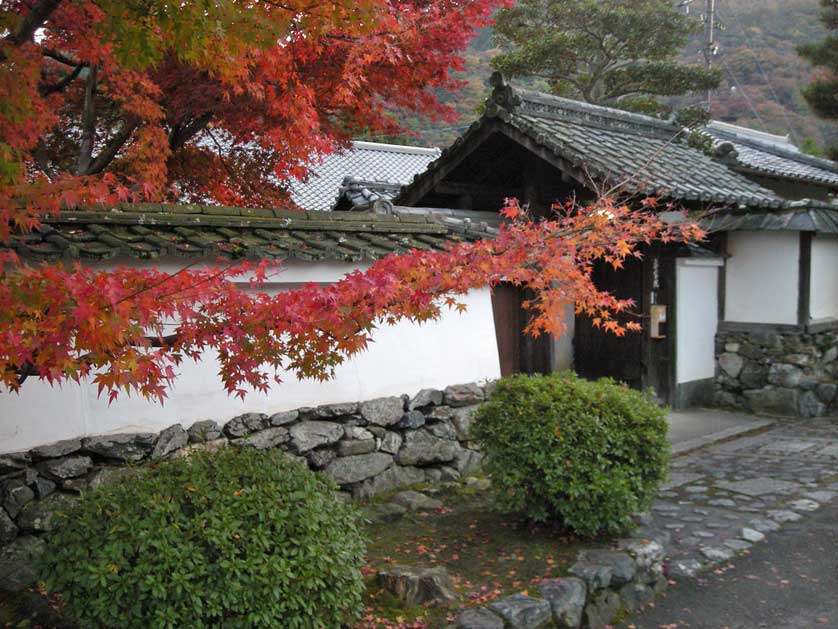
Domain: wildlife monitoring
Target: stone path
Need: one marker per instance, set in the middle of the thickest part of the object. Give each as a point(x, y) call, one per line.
point(723, 499)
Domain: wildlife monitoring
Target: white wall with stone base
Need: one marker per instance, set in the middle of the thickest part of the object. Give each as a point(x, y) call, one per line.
point(402, 359)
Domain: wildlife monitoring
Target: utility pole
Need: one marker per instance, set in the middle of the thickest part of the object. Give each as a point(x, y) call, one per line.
point(709, 40)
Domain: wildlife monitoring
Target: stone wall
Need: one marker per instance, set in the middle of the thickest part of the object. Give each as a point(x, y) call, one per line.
point(366, 447)
point(791, 374)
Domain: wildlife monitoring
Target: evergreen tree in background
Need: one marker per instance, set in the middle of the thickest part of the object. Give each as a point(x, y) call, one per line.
point(822, 93)
point(611, 52)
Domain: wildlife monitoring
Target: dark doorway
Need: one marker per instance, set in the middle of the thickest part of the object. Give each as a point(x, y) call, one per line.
point(518, 352)
point(598, 353)
point(637, 359)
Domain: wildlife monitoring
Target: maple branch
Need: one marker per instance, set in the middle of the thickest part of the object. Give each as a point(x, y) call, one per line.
point(112, 147)
point(46, 90)
point(88, 124)
point(180, 134)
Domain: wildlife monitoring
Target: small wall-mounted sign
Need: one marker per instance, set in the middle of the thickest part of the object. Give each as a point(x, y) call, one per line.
point(657, 324)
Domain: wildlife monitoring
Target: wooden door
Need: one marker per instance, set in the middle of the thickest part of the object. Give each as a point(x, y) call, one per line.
point(518, 352)
point(599, 354)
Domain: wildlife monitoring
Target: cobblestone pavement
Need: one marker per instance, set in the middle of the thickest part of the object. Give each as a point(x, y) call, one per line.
point(723, 499)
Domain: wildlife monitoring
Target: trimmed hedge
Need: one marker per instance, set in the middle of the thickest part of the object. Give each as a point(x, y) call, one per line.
point(238, 538)
point(584, 454)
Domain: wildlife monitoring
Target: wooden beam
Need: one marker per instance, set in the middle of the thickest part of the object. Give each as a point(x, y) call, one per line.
point(804, 286)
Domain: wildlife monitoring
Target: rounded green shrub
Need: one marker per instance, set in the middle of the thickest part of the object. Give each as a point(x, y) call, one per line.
point(583, 454)
point(237, 538)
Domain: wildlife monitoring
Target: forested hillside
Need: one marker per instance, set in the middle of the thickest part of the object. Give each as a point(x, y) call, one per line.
point(762, 73)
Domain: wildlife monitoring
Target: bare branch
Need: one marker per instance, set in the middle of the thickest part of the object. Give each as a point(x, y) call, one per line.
point(88, 124)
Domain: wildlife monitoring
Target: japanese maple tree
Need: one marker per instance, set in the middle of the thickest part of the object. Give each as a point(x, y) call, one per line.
point(222, 102)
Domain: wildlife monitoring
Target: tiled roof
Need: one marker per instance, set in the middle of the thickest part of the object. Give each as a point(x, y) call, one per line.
point(369, 161)
point(806, 215)
point(774, 156)
point(359, 194)
point(612, 146)
point(147, 231)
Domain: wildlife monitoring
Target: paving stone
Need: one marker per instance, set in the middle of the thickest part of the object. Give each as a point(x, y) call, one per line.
point(684, 567)
point(737, 544)
point(704, 534)
point(821, 496)
point(696, 489)
point(784, 516)
point(763, 526)
point(751, 535)
point(716, 553)
point(759, 486)
point(804, 504)
point(788, 447)
point(676, 479)
point(722, 502)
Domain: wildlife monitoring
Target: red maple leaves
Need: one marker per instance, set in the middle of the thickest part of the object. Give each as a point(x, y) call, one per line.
point(128, 329)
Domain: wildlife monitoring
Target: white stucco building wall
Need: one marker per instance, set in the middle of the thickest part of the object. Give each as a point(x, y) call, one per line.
point(403, 358)
point(697, 290)
point(762, 277)
point(823, 290)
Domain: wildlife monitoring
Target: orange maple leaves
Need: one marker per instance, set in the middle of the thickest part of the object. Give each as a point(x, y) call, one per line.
point(128, 329)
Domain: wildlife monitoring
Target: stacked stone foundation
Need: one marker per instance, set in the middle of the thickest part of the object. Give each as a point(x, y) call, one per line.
point(365, 447)
point(793, 374)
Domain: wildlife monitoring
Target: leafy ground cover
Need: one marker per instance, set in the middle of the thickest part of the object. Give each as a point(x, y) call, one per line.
point(489, 555)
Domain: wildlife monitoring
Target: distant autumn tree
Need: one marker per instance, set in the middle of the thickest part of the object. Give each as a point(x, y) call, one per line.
point(221, 102)
point(607, 52)
point(822, 93)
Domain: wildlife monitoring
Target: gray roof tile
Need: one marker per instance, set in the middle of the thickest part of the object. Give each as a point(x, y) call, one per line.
point(613, 146)
point(149, 231)
point(774, 156)
point(393, 164)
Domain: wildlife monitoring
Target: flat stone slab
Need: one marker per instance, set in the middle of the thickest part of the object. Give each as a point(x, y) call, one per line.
point(788, 447)
point(831, 451)
point(759, 486)
point(676, 479)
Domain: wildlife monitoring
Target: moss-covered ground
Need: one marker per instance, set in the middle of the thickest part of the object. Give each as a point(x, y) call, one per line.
point(489, 555)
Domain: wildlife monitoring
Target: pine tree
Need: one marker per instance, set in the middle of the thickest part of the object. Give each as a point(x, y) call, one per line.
point(612, 52)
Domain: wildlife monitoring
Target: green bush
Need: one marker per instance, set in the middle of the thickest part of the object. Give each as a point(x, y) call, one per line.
point(238, 538)
point(583, 454)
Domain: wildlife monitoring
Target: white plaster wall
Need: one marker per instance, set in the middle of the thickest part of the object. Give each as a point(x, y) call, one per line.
point(761, 282)
point(697, 290)
point(404, 358)
point(823, 296)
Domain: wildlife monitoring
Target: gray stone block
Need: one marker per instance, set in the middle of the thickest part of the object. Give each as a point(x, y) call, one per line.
point(463, 395)
point(354, 469)
point(172, 438)
point(123, 447)
point(567, 600)
point(385, 411)
point(425, 398)
point(204, 431)
point(479, 618)
point(431, 587)
point(422, 448)
point(731, 364)
point(54, 450)
point(17, 563)
point(308, 435)
point(523, 612)
point(66, 467)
